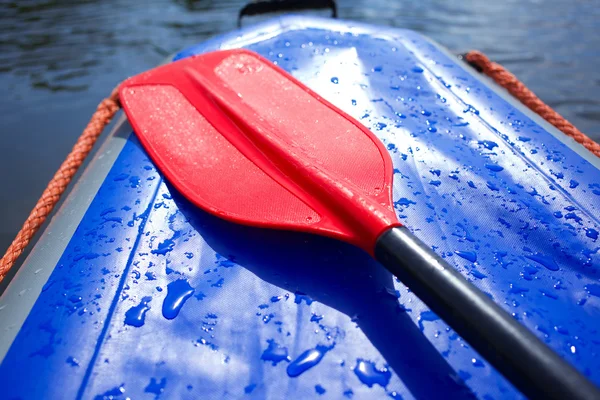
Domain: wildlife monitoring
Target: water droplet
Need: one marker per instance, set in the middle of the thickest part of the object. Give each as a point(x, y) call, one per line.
point(248, 389)
point(593, 289)
point(320, 389)
point(591, 233)
point(114, 393)
point(477, 363)
point(369, 374)
point(73, 361)
point(335, 80)
point(302, 297)
point(156, 387)
point(547, 262)
point(177, 294)
point(492, 186)
point(418, 70)
point(316, 318)
point(494, 167)
point(307, 360)
point(517, 289)
point(573, 184)
point(488, 144)
point(151, 276)
point(467, 255)
point(275, 353)
point(477, 274)
point(427, 316)
point(136, 315)
point(561, 329)
point(75, 298)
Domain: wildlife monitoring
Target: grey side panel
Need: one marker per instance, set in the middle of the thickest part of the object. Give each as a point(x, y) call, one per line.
point(24, 289)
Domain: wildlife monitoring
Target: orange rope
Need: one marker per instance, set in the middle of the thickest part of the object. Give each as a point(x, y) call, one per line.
point(108, 107)
point(508, 81)
point(102, 117)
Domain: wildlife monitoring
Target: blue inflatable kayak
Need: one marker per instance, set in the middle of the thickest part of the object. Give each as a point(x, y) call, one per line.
point(132, 292)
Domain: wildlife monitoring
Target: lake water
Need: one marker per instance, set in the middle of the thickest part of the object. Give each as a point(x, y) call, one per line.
point(58, 59)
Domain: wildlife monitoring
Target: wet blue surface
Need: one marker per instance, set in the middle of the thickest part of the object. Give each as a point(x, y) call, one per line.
point(277, 314)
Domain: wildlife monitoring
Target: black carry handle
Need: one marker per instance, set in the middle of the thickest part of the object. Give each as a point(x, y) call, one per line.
point(530, 365)
point(269, 6)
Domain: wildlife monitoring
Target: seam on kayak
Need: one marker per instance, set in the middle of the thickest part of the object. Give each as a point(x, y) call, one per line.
point(145, 216)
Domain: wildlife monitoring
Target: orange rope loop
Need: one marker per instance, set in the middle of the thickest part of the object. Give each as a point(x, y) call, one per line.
point(508, 81)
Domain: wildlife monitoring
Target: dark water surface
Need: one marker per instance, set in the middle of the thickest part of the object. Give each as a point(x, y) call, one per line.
point(59, 58)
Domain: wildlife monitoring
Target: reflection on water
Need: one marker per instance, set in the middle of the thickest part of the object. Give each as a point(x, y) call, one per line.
point(57, 59)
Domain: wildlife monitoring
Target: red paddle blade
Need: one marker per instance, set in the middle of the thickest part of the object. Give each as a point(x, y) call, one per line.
point(244, 140)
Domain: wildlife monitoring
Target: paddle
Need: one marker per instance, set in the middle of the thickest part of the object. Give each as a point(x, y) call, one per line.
point(243, 140)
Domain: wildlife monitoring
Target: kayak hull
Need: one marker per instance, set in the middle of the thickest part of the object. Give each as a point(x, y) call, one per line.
point(133, 292)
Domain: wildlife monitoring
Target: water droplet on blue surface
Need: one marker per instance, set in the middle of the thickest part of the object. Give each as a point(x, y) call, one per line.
point(467, 255)
point(320, 389)
point(275, 353)
point(134, 182)
point(136, 315)
point(488, 144)
point(218, 283)
point(120, 177)
point(547, 262)
point(75, 298)
point(593, 289)
point(561, 329)
point(427, 316)
point(316, 318)
point(248, 389)
point(369, 374)
point(73, 361)
point(418, 70)
point(517, 289)
point(573, 184)
point(435, 183)
point(267, 318)
point(156, 387)
point(477, 274)
point(591, 233)
point(492, 186)
point(177, 294)
point(307, 360)
point(335, 80)
point(549, 294)
point(477, 363)
point(302, 297)
point(403, 201)
point(112, 394)
point(494, 167)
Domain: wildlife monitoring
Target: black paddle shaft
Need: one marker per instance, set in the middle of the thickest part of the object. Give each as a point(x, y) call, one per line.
point(530, 365)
